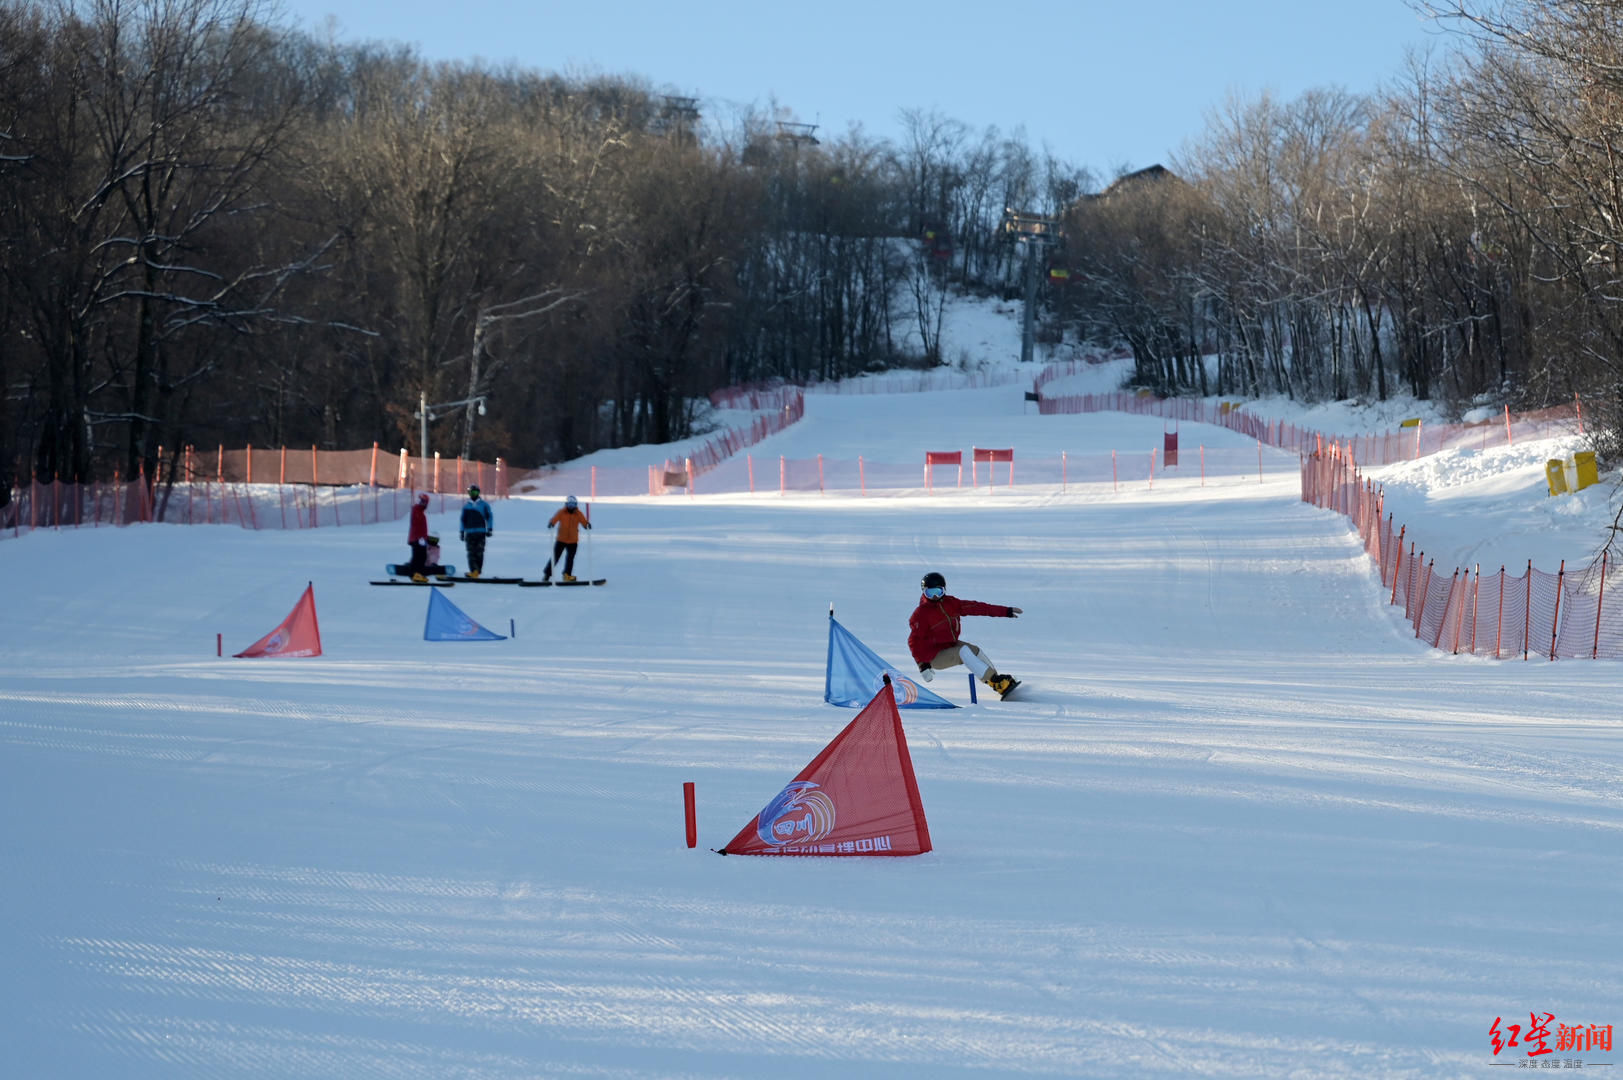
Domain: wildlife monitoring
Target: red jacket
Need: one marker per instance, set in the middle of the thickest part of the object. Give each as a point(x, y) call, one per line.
point(418, 529)
point(935, 623)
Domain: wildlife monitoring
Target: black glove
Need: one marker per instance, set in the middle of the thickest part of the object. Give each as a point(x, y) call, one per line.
point(924, 667)
point(586, 524)
point(1014, 613)
point(462, 536)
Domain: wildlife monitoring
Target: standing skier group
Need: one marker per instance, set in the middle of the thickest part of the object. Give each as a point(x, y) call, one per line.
point(476, 525)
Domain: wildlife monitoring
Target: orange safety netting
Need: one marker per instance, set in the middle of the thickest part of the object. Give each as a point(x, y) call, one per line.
point(1469, 609)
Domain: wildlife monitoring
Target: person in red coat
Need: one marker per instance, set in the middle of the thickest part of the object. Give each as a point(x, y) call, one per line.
point(417, 538)
point(934, 628)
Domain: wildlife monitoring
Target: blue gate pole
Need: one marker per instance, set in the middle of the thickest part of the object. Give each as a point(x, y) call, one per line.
point(972, 688)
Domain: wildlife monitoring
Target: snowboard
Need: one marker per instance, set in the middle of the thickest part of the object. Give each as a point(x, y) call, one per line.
point(1013, 686)
point(491, 580)
point(408, 581)
point(404, 571)
point(563, 584)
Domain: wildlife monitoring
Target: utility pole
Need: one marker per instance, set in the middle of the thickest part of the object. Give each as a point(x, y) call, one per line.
point(1033, 232)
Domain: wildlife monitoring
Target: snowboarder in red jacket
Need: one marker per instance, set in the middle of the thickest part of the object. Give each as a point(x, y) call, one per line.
point(934, 628)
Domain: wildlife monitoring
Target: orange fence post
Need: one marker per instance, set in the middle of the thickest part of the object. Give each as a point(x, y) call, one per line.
point(1600, 601)
point(1425, 587)
point(219, 467)
point(1508, 440)
point(372, 477)
point(437, 471)
point(314, 477)
point(1527, 611)
point(1555, 623)
point(250, 463)
point(1579, 405)
point(1476, 604)
point(1499, 623)
point(1397, 563)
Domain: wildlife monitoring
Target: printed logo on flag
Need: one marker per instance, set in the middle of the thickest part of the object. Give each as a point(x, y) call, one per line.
point(905, 689)
point(274, 643)
point(799, 814)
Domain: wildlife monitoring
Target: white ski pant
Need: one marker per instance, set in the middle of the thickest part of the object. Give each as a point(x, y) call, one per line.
point(970, 656)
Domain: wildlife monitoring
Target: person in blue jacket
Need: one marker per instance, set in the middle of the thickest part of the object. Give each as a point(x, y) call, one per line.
point(478, 523)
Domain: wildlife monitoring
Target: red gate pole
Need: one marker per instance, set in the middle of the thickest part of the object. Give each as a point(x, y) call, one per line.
point(690, 814)
point(1600, 601)
point(1527, 611)
point(1555, 623)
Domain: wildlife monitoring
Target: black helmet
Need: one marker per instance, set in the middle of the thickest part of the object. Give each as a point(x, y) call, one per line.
point(473, 491)
point(933, 580)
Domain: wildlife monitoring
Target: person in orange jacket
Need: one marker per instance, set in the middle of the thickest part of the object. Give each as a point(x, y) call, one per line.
point(569, 522)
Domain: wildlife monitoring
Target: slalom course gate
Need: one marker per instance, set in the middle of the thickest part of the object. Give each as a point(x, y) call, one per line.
point(989, 457)
point(932, 458)
point(447, 622)
point(856, 671)
point(299, 634)
point(858, 797)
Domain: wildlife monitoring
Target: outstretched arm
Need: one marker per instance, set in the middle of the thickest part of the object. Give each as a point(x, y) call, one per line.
point(997, 611)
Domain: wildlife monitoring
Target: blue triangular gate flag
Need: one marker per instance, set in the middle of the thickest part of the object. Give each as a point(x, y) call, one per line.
point(856, 673)
point(446, 622)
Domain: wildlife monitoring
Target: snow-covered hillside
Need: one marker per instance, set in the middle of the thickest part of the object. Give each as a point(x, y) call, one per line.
point(1239, 824)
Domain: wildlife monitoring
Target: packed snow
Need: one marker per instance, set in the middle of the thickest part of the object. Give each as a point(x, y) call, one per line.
point(1237, 823)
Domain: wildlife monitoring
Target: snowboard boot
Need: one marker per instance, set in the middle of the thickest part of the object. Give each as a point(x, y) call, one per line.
point(473, 574)
point(569, 577)
point(419, 579)
point(1002, 684)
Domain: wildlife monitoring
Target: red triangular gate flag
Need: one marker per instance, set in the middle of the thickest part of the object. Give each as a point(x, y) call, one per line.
point(857, 797)
point(299, 635)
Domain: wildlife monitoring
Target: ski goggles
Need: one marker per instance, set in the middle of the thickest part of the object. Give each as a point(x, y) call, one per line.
point(935, 592)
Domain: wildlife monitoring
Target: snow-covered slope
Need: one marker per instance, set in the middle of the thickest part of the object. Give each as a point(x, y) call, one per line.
point(1240, 824)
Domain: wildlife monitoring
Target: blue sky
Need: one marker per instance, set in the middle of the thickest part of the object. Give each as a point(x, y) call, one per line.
point(1102, 84)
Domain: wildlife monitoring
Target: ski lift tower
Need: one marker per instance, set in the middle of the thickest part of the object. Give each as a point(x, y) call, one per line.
point(1035, 233)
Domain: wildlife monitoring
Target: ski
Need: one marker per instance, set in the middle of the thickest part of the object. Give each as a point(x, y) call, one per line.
point(407, 581)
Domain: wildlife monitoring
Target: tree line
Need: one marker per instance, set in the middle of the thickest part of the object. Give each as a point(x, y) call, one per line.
point(1457, 235)
point(218, 228)
point(214, 228)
